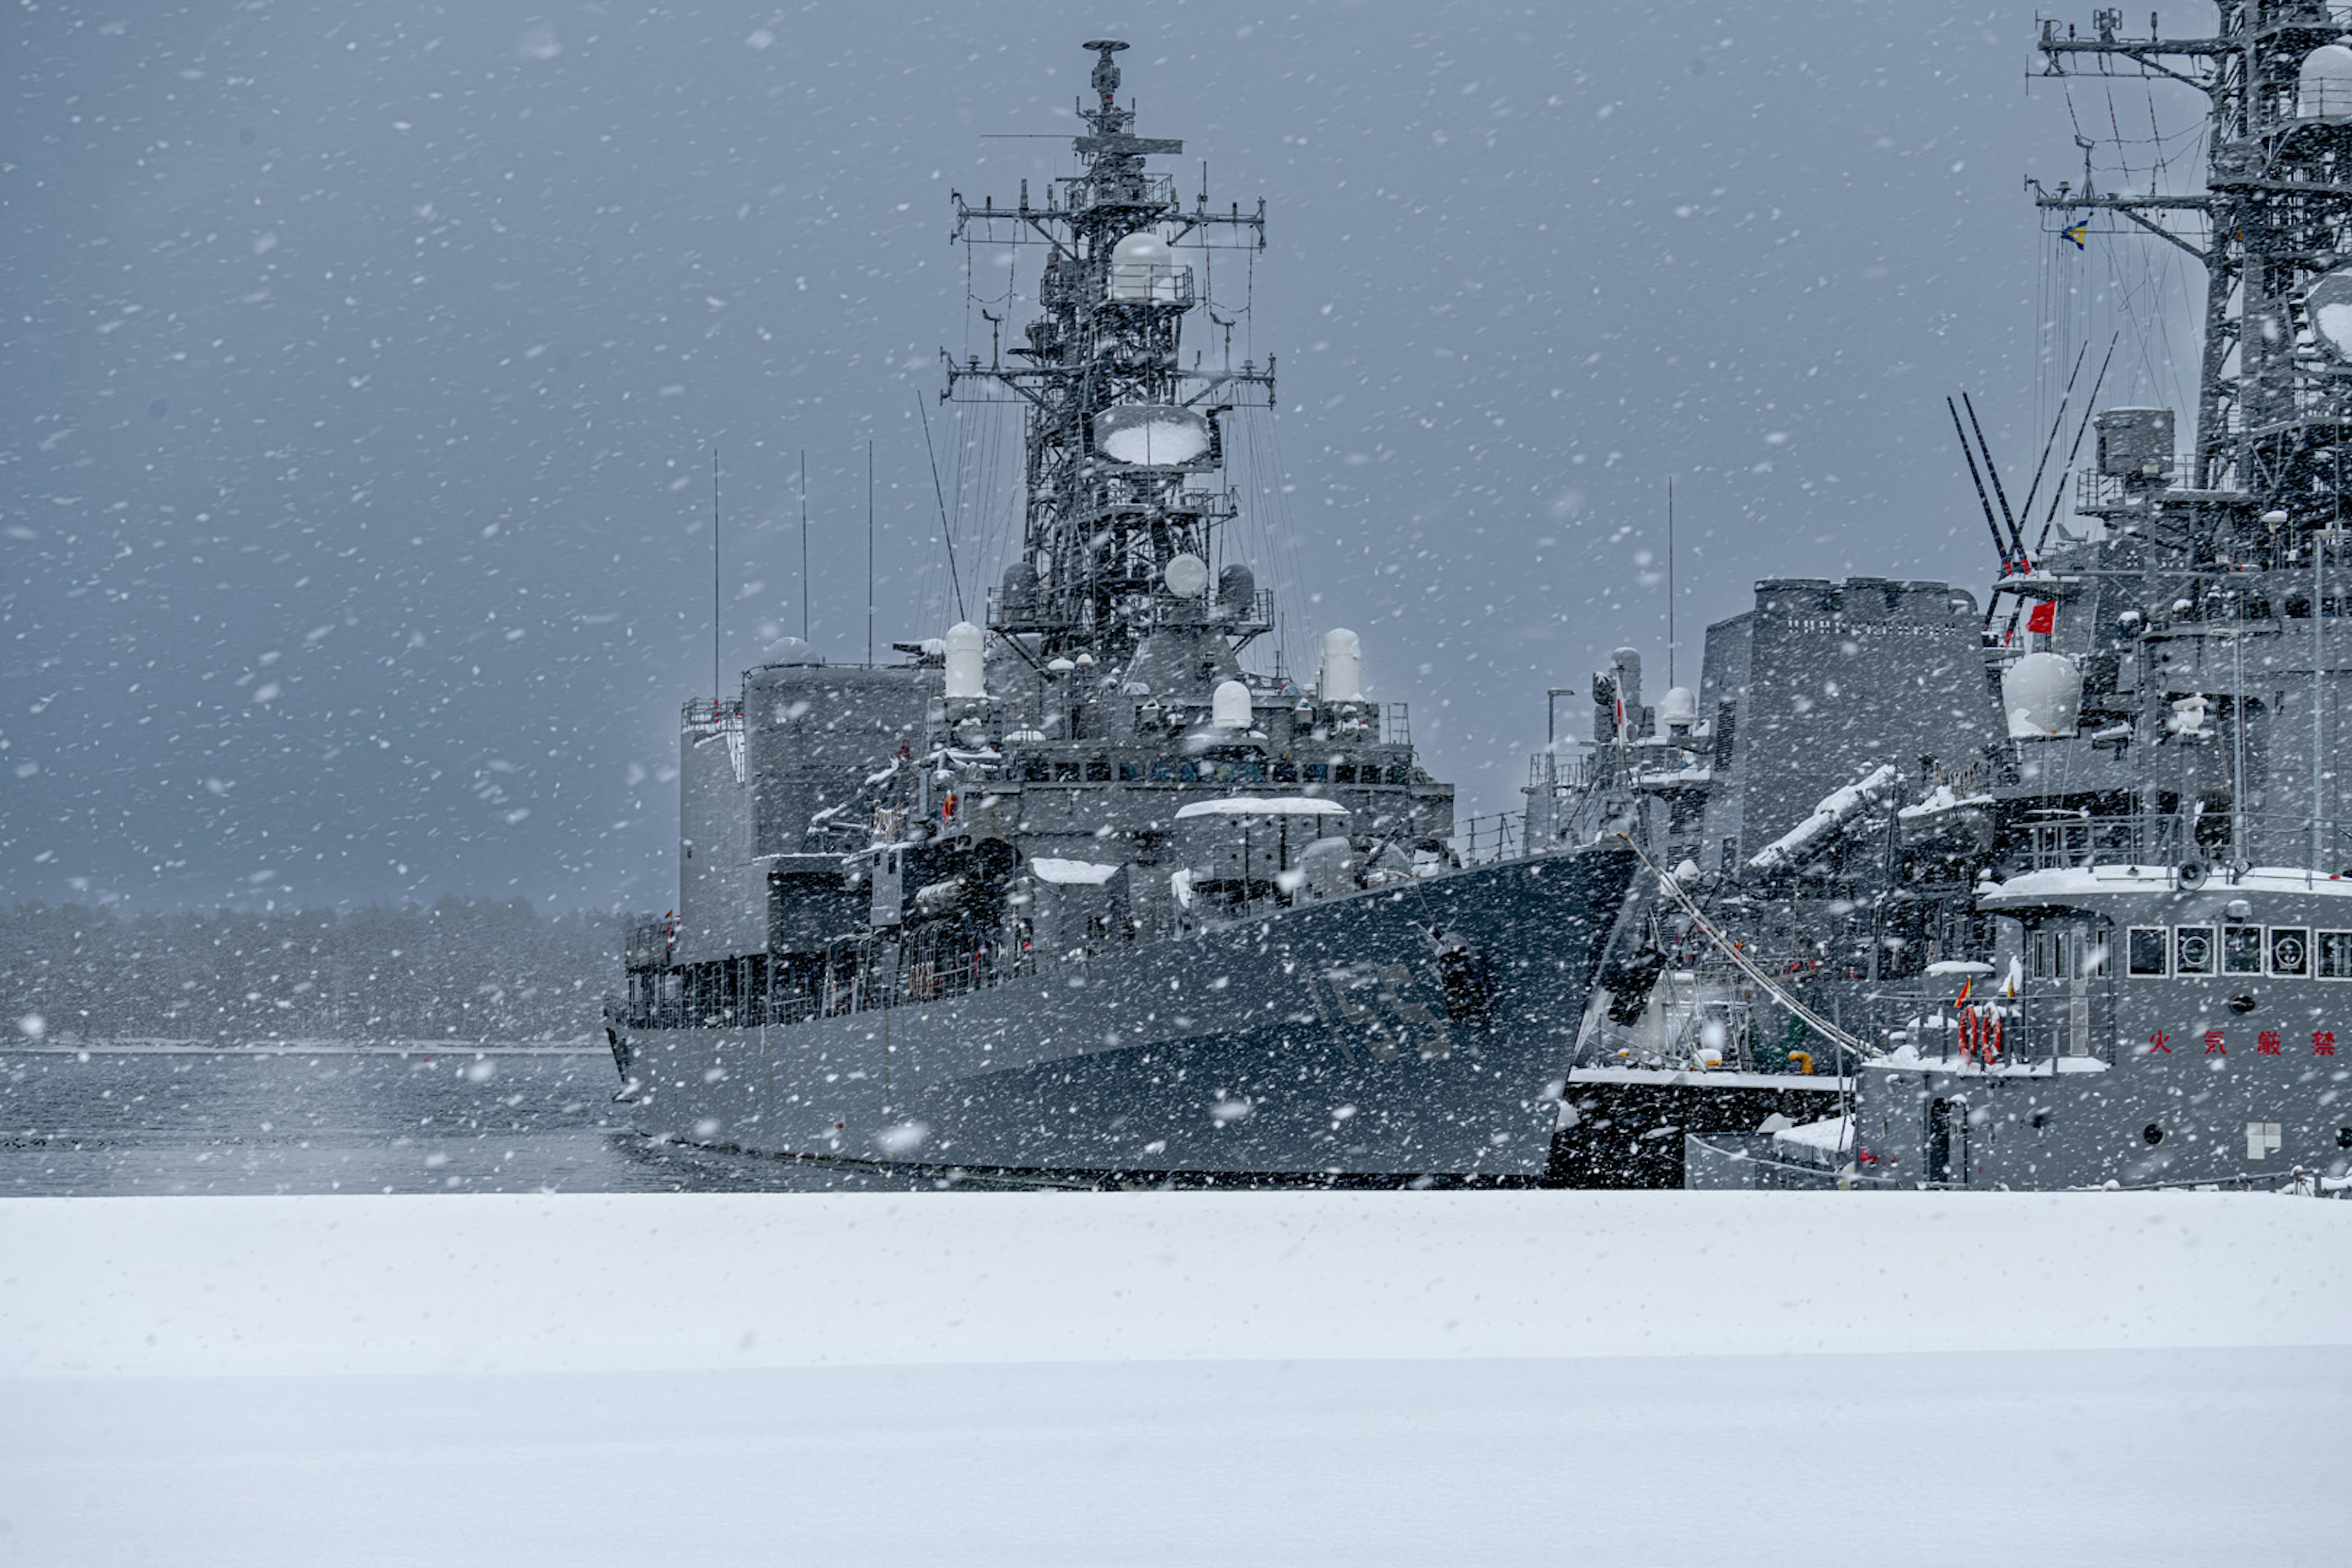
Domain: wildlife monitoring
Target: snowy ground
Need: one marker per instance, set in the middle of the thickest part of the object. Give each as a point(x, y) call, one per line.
point(1048, 1378)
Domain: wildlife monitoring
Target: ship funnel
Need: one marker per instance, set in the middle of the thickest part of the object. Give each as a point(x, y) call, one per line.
point(1343, 667)
point(1229, 706)
point(2042, 693)
point(967, 646)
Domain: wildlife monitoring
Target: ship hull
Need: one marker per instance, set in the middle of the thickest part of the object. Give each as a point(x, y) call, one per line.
point(1333, 1040)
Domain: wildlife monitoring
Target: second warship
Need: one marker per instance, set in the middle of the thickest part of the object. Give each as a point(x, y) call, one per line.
point(2060, 880)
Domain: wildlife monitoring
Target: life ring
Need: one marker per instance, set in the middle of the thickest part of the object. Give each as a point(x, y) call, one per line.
point(1981, 1033)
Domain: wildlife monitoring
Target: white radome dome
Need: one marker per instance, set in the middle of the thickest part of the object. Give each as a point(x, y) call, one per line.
point(1137, 264)
point(2324, 87)
point(2042, 693)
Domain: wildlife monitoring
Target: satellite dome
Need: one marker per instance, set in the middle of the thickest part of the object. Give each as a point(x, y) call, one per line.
point(1678, 707)
point(2328, 305)
point(1137, 264)
point(2042, 693)
point(787, 650)
point(2324, 87)
point(1186, 575)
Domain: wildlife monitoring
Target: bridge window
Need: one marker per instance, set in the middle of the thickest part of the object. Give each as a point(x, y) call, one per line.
point(2336, 955)
point(2192, 950)
point(2242, 950)
point(2145, 950)
point(2290, 950)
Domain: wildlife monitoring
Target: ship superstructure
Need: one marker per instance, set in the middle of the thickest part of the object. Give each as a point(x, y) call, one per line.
point(1075, 886)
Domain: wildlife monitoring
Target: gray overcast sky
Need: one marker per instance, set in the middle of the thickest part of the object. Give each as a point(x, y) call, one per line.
point(362, 364)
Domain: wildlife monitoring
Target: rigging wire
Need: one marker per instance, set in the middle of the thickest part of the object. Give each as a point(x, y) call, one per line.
point(946, 528)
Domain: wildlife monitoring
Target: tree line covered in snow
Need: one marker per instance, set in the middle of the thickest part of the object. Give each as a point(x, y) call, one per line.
point(471, 969)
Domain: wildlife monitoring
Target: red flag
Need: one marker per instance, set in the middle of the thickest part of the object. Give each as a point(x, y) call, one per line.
point(2044, 617)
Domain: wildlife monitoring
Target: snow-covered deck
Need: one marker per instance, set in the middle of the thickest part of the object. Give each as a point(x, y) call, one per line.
point(2073, 884)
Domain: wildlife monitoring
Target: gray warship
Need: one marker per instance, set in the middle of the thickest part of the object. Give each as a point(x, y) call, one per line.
point(1077, 888)
point(2055, 885)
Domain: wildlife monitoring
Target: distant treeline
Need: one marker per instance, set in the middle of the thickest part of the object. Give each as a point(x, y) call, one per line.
point(461, 968)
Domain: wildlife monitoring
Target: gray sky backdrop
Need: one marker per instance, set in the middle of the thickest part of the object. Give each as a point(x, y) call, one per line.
point(361, 364)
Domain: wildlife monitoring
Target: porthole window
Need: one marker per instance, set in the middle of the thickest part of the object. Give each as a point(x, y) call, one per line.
point(2152, 1133)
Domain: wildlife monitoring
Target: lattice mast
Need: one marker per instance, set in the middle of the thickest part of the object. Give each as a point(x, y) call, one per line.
point(2273, 229)
point(1100, 370)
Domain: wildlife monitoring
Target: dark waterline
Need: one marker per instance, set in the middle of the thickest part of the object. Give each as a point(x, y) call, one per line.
point(351, 1118)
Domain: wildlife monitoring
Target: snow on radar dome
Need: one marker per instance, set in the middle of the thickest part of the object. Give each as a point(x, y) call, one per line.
point(1159, 435)
point(2323, 87)
point(2043, 694)
point(1142, 268)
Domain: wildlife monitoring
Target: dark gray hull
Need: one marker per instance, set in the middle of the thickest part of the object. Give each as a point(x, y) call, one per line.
point(1324, 1041)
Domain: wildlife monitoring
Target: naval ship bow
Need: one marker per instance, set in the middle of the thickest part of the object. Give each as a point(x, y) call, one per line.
point(1080, 888)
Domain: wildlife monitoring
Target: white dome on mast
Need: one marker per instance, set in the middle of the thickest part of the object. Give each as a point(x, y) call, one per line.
point(2323, 88)
point(1137, 265)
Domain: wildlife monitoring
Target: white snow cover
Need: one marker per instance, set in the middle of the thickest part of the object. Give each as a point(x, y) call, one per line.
point(1833, 811)
point(1050, 868)
point(1940, 799)
point(1256, 805)
point(1718, 1080)
point(1158, 1379)
point(1906, 1058)
point(271, 1285)
point(1832, 1135)
point(2079, 881)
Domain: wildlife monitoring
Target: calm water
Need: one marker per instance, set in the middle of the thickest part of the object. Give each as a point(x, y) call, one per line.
point(353, 1120)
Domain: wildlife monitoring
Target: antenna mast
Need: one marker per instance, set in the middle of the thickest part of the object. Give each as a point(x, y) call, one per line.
point(715, 692)
point(1124, 446)
point(869, 553)
point(805, 571)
